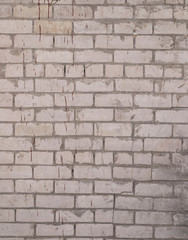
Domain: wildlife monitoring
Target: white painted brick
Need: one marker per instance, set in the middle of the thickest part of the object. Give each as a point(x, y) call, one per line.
point(77, 187)
point(6, 186)
point(51, 201)
point(113, 42)
point(132, 56)
point(162, 145)
point(44, 56)
point(166, 27)
point(112, 129)
point(154, 42)
point(52, 172)
point(134, 85)
point(123, 217)
point(153, 218)
point(6, 157)
point(13, 70)
point(92, 27)
point(113, 12)
point(15, 26)
point(97, 201)
point(16, 201)
point(151, 130)
point(73, 129)
point(32, 129)
point(154, 101)
point(113, 100)
point(134, 71)
point(52, 230)
point(32, 157)
point(92, 56)
point(54, 115)
point(89, 172)
point(21, 11)
point(64, 157)
point(94, 70)
point(74, 216)
point(103, 158)
point(134, 231)
point(94, 230)
point(84, 157)
point(142, 158)
point(15, 229)
point(103, 216)
point(32, 215)
point(103, 85)
point(134, 203)
point(32, 186)
point(157, 12)
point(101, 114)
point(153, 189)
point(124, 144)
point(135, 115)
point(6, 100)
point(113, 187)
point(6, 215)
point(123, 158)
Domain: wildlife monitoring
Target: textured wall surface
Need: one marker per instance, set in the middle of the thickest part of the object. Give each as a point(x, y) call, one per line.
point(93, 119)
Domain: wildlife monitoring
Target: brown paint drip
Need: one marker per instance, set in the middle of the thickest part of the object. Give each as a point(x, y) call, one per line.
point(61, 159)
point(39, 9)
point(40, 33)
point(66, 108)
point(48, 8)
point(31, 151)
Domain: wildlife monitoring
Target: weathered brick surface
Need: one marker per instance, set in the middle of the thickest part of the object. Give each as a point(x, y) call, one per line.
point(93, 119)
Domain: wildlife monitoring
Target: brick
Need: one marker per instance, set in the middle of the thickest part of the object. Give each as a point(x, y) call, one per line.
point(10, 85)
point(6, 100)
point(112, 129)
point(54, 115)
point(59, 172)
point(33, 41)
point(134, 85)
point(161, 159)
point(113, 12)
point(180, 12)
point(6, 11)
point(32, 157)
point(153, 71)
point(92, 56)
point(97, 201)
point(83, 143)
point(123, 158)
point(171, 57)
point(123, 217)
point(93, 70)
point(135, 115)
point(32, 129)
point(154, 42)
point(65, 157)
point(15, 56)
point(90, 172)
point(44, 56)
point(151, 130)
point(113, 100)
point(103, 158)
point(94, 229)
point(5, 41)
point(15, 26)
point(155, 101)
point(139, 174)
point(21, 11)
point(33, 215)
point(6, 157)
point(54, 70)
point(132, 56)
point(157, 12)
point(164, 27)
point(72, 42)
point(77, 187)
point(74, 71)
point(15, 229)
point(74, 100)
point(6, 186)
point(181, 42)
point(16, 201)
point(180, 131)
point(103, 85)
point(113, 42)
point(14, 172)
point(48, 143)
point(103, 216)
point(134, 71)
point(134, 231)
point(28, 100)
point(94, 115)
point(142, 158)
point(123, 144)
point(6, 215)
point(153, 218)
point(171, 86)
point(32, 186)
point(14, 144)
point(74, 216)
point(13, 70)
point(92, 27)
point(73, 129)
point(84, 157)
point(53, 85)
point(168, 204)
point(73, 12)
point(153, 189)
point(51, 201)
point(114, 71)
point(96, 2)
point(52, 27)
point(133, 27)
point(112, 187)
point(172, 72)
point(171, 116)
point(171, 232)
point(162, 145)
point(34, 70)
point(141, 203)
point(51, 230)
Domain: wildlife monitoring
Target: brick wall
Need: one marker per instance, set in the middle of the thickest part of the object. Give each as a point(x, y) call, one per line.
point(93, 119)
